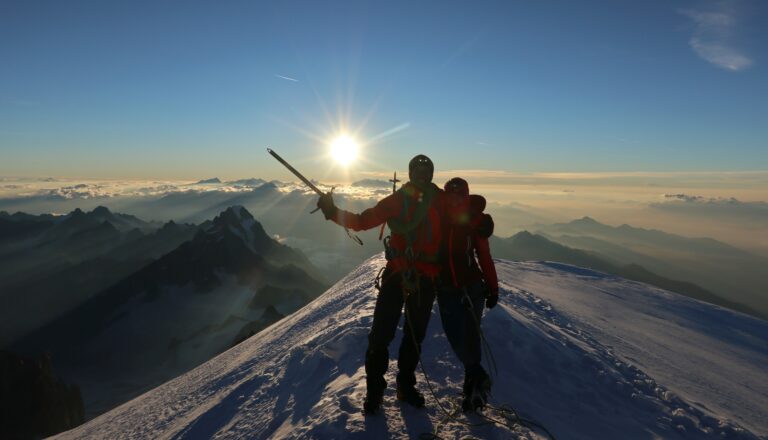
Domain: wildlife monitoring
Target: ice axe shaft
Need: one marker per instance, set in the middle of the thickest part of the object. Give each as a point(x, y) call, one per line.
point(295, 172)
point(311, 185)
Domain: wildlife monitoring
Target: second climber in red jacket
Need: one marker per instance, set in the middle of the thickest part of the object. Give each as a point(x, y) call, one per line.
point(411, 276)
point(469, 283)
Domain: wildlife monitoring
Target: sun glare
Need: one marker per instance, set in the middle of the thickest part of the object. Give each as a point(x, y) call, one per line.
point(344, 150)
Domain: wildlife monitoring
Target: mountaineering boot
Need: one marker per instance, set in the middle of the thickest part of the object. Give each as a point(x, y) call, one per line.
point(476, 394)
point(410, 396)
point(372, 403)
point(466, 405)
point(466, 401)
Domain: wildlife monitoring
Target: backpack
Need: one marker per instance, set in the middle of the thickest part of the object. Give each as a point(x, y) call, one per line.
point(416, 233)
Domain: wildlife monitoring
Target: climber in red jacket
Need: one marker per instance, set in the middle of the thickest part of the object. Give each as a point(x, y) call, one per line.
point(467, 286)
point(411, 276)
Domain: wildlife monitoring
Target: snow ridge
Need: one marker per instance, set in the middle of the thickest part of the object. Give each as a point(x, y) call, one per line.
point(562, 357)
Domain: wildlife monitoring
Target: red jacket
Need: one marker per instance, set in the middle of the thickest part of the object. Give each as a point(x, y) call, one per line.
point(464, 247)
point(402, 205)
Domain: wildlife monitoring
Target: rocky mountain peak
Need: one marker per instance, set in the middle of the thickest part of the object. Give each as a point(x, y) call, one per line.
point(586, 220)
point(101, 211)
point(237, 221)
point(213, 180)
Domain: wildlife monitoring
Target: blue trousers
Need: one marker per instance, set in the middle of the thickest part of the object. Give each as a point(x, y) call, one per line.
point(461, 314)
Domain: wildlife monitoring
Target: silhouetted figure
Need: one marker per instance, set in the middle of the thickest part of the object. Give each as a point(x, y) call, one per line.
point(466, 285)
point(410, 277)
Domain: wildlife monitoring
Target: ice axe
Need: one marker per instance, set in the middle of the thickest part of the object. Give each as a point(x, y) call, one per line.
point(312, 186)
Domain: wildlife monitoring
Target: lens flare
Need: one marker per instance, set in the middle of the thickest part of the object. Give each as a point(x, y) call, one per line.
point(344, 150)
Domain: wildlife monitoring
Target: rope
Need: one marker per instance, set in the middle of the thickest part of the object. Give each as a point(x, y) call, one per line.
point(511, 416)
point(485, 346)
point(434, 434)
point(448, 414)
point(505, 409)
point(529, 423)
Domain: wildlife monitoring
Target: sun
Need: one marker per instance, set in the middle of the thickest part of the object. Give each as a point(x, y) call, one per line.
point(344, 150)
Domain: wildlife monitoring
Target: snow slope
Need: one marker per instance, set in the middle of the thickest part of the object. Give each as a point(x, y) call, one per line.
point(585, 354)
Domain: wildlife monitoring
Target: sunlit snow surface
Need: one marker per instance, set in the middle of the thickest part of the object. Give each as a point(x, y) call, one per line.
point(585, 354)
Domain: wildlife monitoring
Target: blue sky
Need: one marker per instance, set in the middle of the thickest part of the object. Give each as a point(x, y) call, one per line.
point(197, 89)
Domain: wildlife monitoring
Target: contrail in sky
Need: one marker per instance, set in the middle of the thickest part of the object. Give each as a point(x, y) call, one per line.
point(288, 78)
point(390, 132)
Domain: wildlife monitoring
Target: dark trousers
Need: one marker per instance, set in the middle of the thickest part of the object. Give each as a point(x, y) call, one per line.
point(461, 316)
point(386, 316)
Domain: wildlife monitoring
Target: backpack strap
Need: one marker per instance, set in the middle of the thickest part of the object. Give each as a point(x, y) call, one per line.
point(410, 277)
point(400, 225)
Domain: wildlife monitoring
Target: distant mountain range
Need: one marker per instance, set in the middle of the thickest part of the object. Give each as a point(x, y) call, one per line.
point(210, 181)
point(60, 261)
point(252, 182)
point(282, 212)
point(372, 183)
point(632, 236)
point(181, 307)
point(123, 304)
point(243, 183)
point(525, 246)
point(732, 277)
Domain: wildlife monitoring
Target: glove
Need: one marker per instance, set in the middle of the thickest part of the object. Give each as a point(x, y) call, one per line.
point(325, 203)
point(492, 299)
point(484, 227)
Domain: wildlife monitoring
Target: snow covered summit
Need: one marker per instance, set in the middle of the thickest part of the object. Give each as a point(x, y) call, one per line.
point(585, 354)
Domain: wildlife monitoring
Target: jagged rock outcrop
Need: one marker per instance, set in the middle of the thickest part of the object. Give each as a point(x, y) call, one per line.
point(34, 402)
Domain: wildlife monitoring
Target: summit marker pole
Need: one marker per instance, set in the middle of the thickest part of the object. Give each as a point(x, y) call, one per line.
point(394, 181)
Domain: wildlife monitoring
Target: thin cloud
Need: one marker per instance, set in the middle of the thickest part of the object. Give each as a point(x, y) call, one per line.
point(752, 214)
point(25, 103)
point(390, 132)
point(462, 49)
point(672, 178)
point(287, 78)
point(711, 39)
point(680, 197)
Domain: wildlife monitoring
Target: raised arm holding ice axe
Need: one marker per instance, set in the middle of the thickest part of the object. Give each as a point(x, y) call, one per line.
point(410, 276)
